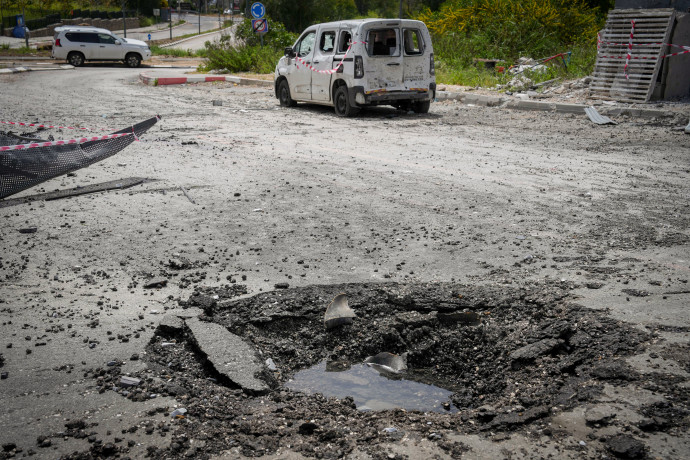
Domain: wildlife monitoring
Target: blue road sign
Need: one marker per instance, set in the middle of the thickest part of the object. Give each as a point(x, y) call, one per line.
point(258, 10)
point(260, 26)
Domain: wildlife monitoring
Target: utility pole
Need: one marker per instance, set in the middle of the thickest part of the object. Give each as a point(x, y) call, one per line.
point(124, 20)
point(26, 29)
point(401, 9)
point(199, 17)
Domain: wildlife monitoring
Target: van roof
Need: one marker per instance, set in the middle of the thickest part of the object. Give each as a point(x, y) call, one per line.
point(82, 29)
point(358, 23)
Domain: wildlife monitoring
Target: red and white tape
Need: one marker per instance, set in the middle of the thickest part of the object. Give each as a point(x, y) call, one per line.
point(80, 140)
point(628, 57)
point(329, 71)
point(40, 126)
point(630, 45)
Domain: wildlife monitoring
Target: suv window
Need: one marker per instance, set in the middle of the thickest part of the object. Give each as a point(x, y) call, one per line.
point(306, 44)
point(82, 37)
point(344, 42)
point(383, 42)
point(106, 39)
point(327, 42)
point(413, 41)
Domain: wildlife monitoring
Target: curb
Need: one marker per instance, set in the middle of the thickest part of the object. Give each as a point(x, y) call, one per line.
point(162, 81)
point(558, 107)
point(37, 69)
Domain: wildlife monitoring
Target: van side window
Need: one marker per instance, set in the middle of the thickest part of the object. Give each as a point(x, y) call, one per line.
point(383, 42)
point(306, 45)
point(344, 42)
point(413, 41)
point(327, 42)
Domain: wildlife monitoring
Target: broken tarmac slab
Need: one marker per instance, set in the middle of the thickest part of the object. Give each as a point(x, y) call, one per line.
point(229, 355)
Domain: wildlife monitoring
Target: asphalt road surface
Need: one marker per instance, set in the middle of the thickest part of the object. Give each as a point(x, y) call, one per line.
point(272, 195)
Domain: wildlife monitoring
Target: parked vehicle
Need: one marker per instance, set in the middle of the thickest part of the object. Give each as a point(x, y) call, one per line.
point(358, 63)
point(78, 44)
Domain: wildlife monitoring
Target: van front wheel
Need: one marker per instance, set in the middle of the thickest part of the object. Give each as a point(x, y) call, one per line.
point(421, 106)
point(341, 101)
point(284, 95)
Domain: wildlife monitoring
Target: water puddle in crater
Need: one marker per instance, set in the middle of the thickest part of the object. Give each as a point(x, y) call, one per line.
point(371, 390)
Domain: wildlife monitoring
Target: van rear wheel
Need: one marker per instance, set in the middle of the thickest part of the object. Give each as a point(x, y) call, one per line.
point(421, 106)
point(341, 101)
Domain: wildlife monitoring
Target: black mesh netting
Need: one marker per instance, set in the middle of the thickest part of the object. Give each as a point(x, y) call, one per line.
point(21, 169)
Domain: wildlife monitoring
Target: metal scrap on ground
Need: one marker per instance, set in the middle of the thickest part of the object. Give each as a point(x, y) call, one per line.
point(338, 312)
point(22, 168)
point(597, 118)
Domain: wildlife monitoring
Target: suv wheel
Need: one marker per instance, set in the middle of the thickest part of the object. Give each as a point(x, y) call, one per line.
point(75, 59)
point(284, 95)
point(421, 106)
point(341, 101)
point(132, 60)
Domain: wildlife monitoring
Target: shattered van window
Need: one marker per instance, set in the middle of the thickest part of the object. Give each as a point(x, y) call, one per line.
point(382, 42)
point(327, 42)
point(413, 42)
point(306, 45)
point(344, 42)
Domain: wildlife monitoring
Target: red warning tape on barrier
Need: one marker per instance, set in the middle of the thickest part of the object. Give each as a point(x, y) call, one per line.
point(329, 71)
point(40, 126)
point(80, 140)
point(630, 45)
point(628, 57)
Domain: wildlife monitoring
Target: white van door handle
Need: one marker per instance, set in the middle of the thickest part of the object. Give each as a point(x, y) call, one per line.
point(393, 63)
point(316, 62)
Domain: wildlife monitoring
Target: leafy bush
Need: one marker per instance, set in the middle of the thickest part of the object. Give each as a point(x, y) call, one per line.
point(248, 55)
point(277, 37)
point(464, 30)
point(241, 58)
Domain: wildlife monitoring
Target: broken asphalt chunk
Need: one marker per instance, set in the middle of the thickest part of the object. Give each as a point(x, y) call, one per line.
point(534, 350)
point(338, 312)
point(156, 284)
point(463, 317)
point(171, 324)
point(387, 363)
point(129, 381)
point(229, 355)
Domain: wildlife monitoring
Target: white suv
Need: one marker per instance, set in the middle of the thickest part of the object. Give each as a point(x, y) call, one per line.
point(353, 64)
point(79, 44)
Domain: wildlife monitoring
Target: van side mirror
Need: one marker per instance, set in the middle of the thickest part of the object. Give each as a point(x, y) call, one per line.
point(118, 42)
point(289, 52)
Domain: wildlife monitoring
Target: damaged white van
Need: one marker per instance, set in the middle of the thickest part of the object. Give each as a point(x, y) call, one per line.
point(358, 63)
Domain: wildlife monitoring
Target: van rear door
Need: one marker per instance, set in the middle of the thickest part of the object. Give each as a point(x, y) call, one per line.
point(416, 58)
point(383, 66)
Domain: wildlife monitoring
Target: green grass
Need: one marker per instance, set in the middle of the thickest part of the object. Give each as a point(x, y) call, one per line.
point(460, 73)
point(158, 51)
